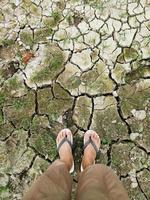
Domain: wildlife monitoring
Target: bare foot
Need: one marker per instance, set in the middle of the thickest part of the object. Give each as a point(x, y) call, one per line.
point(65, 151)
point(89, 152)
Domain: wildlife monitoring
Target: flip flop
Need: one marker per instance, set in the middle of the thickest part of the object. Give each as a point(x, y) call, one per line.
point(90, 141)
point(70, 142)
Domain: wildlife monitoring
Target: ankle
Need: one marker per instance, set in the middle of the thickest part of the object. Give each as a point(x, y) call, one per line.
point(68, 162)
point(87, 162)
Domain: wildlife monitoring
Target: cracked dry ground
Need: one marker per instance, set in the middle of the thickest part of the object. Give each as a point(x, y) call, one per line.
point(76, 64)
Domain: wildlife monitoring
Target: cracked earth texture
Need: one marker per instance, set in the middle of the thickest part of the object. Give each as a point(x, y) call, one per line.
point(76, 64)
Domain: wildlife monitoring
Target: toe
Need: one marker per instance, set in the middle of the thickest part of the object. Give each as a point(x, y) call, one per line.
point(93, 137)
point(92, 133)
point(97, 137)
point(58, 139)
point(63, 131)
point(67, 130)
point(60, 136)
point(69, 134)
point(60, 133)
point(86, 136)
point(63, 134)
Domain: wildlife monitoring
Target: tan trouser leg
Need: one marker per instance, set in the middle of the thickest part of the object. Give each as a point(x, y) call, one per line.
point(98, 182)
point(54, 184)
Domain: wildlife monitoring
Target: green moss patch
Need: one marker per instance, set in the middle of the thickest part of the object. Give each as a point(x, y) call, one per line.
point(2, 99)
point(126, 157)
point(52, 65)
point(27, 38)
point(97, 4)
point(82, 111)
point(56, 17)
point(143, 178)
point(121, 158)
point(41, 34)
point(97, 80)
point(13, 87)
point(6, 42)
point(55, 106)
point(106, 120)
point(41, 137)
point(5, 192)
point(20, 110)
point(70, 78)
point(51, 22)
point(134, 96)
point(5, 128)
point(74, 19)
point(142, 128)
point(17, 103)
point(128, 55)
point(137, 74)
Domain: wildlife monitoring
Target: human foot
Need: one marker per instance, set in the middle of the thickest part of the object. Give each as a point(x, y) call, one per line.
point(64, 142)
point(91, 146)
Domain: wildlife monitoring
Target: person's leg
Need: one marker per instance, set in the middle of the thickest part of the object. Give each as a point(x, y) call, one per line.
point(97, 182)
point(56, 182)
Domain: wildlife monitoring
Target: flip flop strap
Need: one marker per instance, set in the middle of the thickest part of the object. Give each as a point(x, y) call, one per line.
point(65, 139)
point(90, 141)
